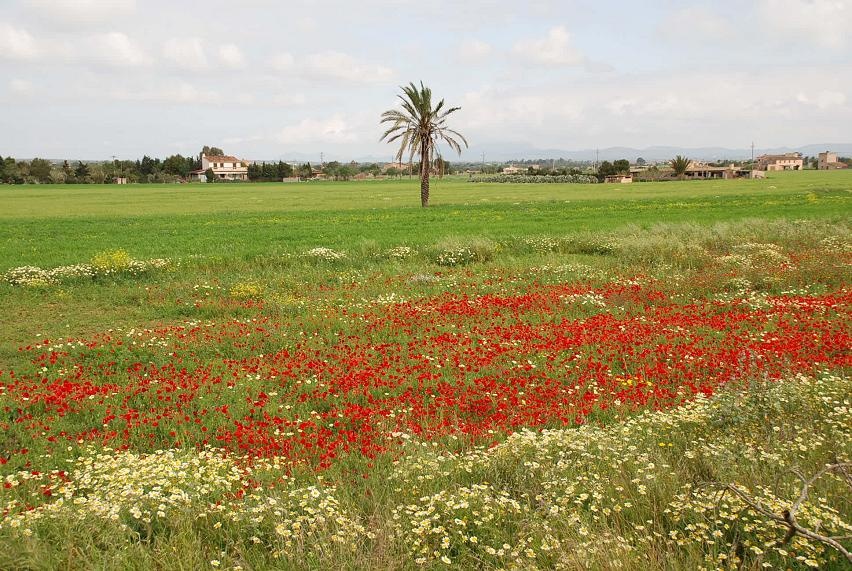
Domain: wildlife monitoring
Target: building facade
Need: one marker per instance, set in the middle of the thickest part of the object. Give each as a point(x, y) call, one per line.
point(785, 162)
point(224, 167)
point(828, 161)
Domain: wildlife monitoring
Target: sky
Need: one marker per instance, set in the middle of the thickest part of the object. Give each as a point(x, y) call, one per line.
point(270, 79)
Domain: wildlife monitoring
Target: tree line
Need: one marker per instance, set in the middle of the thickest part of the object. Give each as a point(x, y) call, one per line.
point(177, 168)
point(146, 169)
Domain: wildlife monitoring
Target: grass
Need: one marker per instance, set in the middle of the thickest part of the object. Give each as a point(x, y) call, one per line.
point(54, 225)
point(250, 315)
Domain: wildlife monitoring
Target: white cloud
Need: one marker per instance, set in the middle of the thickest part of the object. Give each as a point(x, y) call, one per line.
point(332, 65)
point(115, 49)
point(554, 49)
point(81, 11)
point(20, 86)
point(823, 99)
point(692, 23)
point(282, 62)
point(180, 92)
point(665, 108)
point(474, 50)
point(186, 53)
point(341, 66)
point(112, 49)
point(231, 57)
point(821, 22)
point(331, 130)
point(17, 44)
point(288, 100)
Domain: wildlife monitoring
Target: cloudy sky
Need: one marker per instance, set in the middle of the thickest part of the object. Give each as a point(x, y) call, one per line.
point(269, 79)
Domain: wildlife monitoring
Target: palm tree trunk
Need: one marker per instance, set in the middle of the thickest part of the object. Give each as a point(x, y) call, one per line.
point(424, 175)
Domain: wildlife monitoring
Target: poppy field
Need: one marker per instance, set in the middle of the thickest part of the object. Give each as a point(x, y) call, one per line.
point(513, 398)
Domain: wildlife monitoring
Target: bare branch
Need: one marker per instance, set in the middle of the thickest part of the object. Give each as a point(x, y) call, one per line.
point(788, 516)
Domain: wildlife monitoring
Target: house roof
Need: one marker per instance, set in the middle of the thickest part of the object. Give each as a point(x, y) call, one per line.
point(786, 156)
point(222, 159)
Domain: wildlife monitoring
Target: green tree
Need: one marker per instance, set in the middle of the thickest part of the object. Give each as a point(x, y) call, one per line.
point(331, 169)
point(679, 165)
point(641, 162)
point(211, 176)
point(305, 171)
point(97, 174)
point(284, 170)
point(40, 170)
point(212, 151)
point(68, 172)
point(419, 127)
point(621, 166)
point(606, 168)
point(177, 165)
point(81, 173)
point(345, 172)
point(11, 171)
point(371, 168)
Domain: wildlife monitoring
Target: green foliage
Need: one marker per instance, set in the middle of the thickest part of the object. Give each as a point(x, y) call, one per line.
point(679, 165)
point(81, 172)
point(621, 166)
point(40, 170)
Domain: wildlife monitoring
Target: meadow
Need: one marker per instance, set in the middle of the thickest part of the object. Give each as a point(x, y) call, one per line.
point(324, 375)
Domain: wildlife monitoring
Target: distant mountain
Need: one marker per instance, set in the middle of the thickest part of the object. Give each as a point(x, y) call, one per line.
point(509, 152)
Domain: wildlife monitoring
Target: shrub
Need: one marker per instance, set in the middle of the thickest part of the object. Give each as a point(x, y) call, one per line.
point(528, 179)
point(111, 261)
point(324, 254)
point(29, 276)
point(460, 252)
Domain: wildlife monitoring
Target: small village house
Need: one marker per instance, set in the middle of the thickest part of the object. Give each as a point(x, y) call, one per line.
point(619, 178)
point(828, 161)
point(699, 170)
point(224, 167)
point(785, 162)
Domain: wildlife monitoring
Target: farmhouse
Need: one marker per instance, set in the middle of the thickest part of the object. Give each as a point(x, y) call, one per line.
point(512, 169)
point(785, 162)
point(828, 161)
point(399, 166)
point(224, 167)
point(619, 178)
point(698, 170)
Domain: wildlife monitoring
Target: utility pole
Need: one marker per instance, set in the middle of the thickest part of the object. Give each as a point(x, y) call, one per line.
point(752, 153)
point(483, 163)
point(322, 159)
point(597, 156)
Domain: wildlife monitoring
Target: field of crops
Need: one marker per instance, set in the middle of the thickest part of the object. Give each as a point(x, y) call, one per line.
point(324, 375)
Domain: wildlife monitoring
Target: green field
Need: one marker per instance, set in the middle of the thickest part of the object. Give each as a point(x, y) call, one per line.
point(366, 369)
point(52, 225)
point(241, 228)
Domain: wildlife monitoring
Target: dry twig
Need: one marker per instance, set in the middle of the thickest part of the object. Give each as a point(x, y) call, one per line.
point(788, 516)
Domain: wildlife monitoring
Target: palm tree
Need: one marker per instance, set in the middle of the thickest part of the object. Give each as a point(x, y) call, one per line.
point(679, 165)
point(419, 128)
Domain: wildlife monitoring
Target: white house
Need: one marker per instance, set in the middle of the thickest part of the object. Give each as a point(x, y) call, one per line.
point(224, 167)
